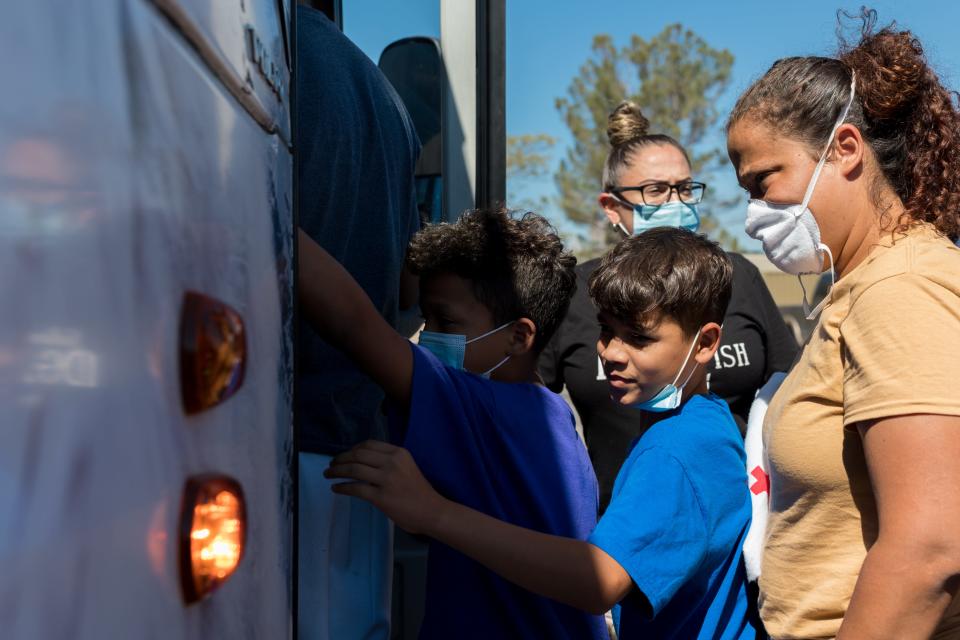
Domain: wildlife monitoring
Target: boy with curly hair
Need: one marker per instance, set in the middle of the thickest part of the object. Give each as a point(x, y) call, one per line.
point(468, 405)
point(668, 548)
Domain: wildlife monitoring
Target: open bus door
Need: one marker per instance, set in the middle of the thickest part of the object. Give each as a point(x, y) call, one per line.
point(454, 89)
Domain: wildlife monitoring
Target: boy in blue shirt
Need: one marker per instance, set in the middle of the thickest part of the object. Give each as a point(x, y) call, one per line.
point(468, 404)
point(668, 548)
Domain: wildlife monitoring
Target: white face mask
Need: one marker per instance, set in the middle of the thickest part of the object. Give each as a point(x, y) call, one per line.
point(789, 232)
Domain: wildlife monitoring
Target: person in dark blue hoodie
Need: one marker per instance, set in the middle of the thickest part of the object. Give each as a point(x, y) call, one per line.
point(356, 149)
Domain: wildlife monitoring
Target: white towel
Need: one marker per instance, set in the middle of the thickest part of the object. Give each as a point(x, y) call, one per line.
point(758, 478)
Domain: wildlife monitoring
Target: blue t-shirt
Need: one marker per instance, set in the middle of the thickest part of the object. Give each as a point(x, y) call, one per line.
point(676, 523)
point(510, 451)
point(357, 151)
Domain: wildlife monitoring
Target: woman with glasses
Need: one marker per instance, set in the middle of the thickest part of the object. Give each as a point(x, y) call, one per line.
point(647, 183)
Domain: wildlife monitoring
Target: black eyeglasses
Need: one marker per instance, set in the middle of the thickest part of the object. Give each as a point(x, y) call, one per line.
point(655, 194)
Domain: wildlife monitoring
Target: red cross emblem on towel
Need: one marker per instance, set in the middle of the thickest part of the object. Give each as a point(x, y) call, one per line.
point(762, 483)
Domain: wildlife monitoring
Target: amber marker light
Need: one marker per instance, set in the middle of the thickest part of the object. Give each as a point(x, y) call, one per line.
point(213, 352)
point(213, 527)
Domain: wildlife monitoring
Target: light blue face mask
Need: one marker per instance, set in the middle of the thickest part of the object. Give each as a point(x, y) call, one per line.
point(670, 396)
point(676, 214)
point(450, 348)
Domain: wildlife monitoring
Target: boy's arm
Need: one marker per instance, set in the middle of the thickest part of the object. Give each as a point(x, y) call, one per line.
point(342, 314)
point(570, 571)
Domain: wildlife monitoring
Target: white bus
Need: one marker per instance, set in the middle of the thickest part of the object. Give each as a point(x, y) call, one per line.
point(147, 216)
point(146, 297)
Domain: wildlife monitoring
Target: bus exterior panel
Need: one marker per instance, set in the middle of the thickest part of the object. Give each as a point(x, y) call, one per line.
point(132, 173)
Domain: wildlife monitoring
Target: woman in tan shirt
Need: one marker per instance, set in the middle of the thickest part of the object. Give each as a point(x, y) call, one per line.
point(853, 166)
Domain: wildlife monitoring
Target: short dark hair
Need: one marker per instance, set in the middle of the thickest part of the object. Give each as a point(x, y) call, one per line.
point(516, 264)
point(664, 272)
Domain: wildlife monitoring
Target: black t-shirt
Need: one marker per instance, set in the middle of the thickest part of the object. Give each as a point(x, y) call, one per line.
point(756, 342)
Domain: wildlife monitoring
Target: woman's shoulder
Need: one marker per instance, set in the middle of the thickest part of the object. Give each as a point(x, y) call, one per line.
point(920, 260)
point(908, 269)
point(931, 254)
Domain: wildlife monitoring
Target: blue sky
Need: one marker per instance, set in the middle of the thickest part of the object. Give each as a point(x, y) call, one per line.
point(548, 41)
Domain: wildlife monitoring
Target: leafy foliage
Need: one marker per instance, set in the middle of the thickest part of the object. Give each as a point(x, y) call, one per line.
point(528, 161)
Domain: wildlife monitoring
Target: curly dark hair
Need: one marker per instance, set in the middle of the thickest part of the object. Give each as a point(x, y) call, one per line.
point(516, 264)
point(904, 113)
point(664, 272)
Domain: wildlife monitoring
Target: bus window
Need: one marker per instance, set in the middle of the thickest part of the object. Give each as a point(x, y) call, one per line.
point(414, 68)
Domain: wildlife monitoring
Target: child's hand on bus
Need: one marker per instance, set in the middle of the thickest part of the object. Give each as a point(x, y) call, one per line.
point(387, 477)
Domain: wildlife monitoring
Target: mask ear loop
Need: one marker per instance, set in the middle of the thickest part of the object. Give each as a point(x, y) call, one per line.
point(686, 361)
point(491, 332)
point(811, 314)
point(486, 374)
point(619, 225)
point(826, 149)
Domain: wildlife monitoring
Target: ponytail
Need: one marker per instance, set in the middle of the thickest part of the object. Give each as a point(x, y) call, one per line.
point(912, 123)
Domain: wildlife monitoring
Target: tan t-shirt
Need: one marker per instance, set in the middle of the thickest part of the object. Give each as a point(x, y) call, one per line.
point(885, 345)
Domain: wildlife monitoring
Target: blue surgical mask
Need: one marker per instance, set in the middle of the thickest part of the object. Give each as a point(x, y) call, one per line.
point(676, 214)
point(670, 396)
point(450, 348)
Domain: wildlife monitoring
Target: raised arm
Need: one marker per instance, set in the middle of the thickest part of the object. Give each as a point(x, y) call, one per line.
point(343, 315)
point(570, 571)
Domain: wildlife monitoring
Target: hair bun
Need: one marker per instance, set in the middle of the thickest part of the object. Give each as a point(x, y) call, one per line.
point(626, 124)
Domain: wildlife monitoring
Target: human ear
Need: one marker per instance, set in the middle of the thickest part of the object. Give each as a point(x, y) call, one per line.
point(708, 343)
point(610, 207)
point(848, 148)
point(522, 334)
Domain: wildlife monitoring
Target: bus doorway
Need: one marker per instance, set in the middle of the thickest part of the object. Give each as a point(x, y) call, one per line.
point(456, 105)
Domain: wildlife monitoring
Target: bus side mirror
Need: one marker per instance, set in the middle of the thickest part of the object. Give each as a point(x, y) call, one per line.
point(415, 69)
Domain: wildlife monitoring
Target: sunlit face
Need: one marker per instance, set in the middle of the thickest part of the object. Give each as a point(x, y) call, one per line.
point(654, 163)
point(777, 169)
point(640, 361)
point(449, 306)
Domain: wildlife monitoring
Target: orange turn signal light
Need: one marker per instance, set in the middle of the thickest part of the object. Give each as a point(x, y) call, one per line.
point(213, 352)
point(213, 527)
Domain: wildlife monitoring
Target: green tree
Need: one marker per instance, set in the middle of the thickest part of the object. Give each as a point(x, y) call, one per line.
point(529, 167)
point(528, 162)
point(676, 78)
